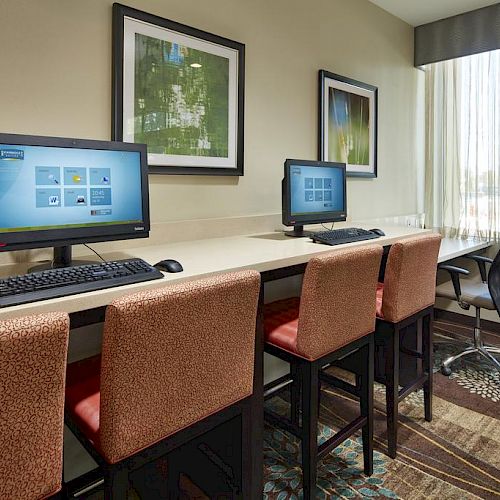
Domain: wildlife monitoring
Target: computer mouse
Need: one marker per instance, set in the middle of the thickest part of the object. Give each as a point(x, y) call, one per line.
point(377, 231)
point(169, 266)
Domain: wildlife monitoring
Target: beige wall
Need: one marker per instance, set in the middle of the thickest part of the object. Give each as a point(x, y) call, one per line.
point(56, 80)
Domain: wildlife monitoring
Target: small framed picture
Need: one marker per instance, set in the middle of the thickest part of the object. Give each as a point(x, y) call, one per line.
point(179, 90)
point(348, 123)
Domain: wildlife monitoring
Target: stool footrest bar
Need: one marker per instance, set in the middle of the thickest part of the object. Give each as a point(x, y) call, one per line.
point(283, 422)
point(412, 387)
point(339, 384)
point(341, 436)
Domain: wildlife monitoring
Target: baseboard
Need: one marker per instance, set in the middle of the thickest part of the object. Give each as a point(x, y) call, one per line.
point(462, 319)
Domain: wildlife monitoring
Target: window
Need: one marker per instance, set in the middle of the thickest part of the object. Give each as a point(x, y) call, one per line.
point(463, 145)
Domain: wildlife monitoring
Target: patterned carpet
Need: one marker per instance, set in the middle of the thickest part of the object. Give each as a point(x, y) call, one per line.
point(456, 456)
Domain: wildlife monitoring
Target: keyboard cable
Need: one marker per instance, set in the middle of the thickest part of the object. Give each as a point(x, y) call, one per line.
point(90, 248)
point(331, 229)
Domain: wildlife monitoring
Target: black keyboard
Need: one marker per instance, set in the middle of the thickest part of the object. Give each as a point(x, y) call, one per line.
point(340, 236)
point(64, 281)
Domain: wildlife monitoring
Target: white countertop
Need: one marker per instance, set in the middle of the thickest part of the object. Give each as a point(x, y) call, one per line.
point(452, 248)
point(201, 258)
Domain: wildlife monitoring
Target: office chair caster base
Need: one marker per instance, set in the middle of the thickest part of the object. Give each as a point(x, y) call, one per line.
point(445, 367)
point(446, 370)
point(479, 350)
point(486, 353)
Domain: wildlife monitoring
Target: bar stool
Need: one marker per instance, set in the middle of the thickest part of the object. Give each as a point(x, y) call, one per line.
point(334, 318)
point(406, 300)
point(176, 363)
point(33, 352)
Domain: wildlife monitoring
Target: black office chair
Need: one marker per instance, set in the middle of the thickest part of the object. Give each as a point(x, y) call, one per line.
point(479, 294)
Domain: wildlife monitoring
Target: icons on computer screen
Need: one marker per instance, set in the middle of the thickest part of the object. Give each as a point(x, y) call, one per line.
point(100, 176)
point(48, 197)
point(75, 197)
point(100, 196)
point(74, 176)
point(47, 176)
point(318, 189)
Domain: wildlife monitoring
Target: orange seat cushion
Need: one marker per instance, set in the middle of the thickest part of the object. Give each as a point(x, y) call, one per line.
point(281, 320)
point(380, 297)
point(83, 382)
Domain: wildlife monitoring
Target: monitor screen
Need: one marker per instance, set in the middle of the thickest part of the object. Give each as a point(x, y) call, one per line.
point(62, 190)
point(316, 190)
point(313, 192)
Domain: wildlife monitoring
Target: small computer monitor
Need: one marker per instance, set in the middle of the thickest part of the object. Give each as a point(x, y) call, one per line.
point(313, 192)
point(58, 192)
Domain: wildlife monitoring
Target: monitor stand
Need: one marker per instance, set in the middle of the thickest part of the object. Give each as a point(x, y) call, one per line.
point(298, 232)
point(62, 258)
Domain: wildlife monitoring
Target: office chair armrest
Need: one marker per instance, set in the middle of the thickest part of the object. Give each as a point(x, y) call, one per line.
point(481, 261)
point(455, 273)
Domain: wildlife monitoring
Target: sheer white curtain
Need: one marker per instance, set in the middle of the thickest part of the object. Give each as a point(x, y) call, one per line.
point(463, 146)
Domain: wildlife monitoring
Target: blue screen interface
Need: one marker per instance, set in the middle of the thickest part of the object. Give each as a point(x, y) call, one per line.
point(44, 187)
point(316, 189)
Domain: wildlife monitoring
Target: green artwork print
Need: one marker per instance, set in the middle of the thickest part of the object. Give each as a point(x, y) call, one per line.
point(181, 101)
point(348, 128)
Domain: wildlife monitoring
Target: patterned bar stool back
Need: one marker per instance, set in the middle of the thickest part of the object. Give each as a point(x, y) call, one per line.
point(173, 356)
point(33, 351)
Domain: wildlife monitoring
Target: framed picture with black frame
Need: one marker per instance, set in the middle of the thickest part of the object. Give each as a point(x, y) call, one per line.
point(180, 91)
point(348, 123)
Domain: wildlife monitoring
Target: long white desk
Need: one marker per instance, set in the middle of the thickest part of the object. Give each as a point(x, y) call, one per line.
point(200, 258)
point(452, 248)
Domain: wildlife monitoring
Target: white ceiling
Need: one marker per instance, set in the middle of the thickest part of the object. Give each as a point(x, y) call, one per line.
point(417, 12)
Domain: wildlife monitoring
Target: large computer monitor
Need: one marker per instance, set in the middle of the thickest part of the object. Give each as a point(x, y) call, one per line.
point(58, 192)
point(313, 192)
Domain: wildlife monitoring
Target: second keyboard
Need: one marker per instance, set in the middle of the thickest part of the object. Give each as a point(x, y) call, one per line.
point(341, 236)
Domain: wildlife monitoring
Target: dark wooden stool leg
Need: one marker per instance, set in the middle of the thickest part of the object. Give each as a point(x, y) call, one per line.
point(392, 391)
point(310, 413)
point(295, 393)
point(174, 474)
point(319, 393)
point(428, 365)
point(366, 405)
point(420, 345)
